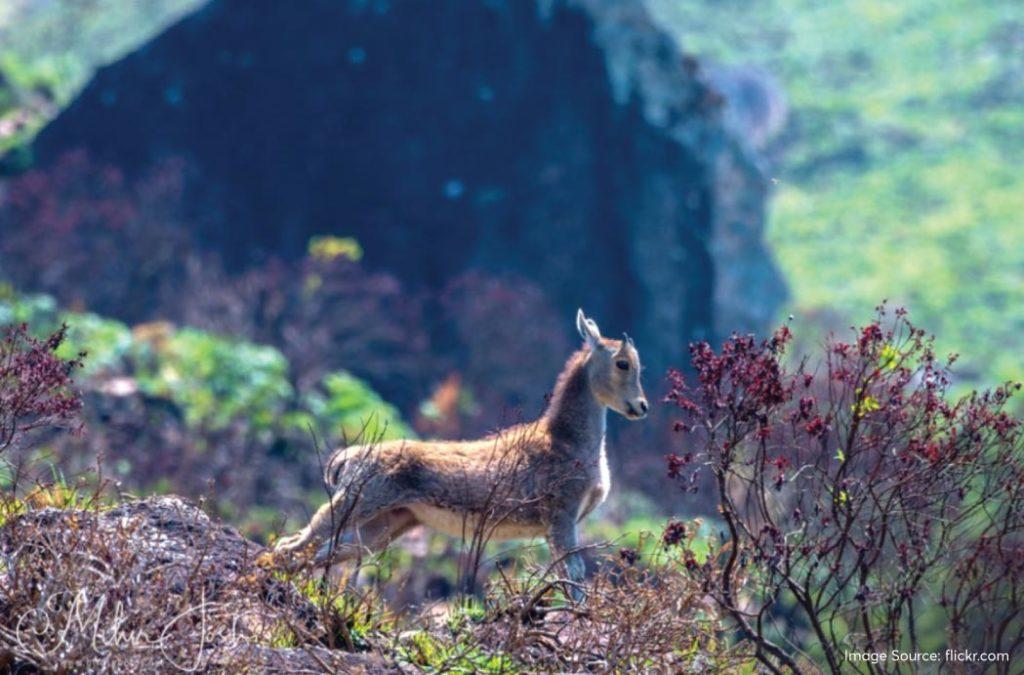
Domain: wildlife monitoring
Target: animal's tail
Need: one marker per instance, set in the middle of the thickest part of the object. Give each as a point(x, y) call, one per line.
point(334, 467)
point(354, 465)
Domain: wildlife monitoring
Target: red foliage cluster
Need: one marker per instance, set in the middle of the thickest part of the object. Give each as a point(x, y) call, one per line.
point(855, 492)
point(83, 221)
point(674, 534)
point(36, 387)
point(505, 341)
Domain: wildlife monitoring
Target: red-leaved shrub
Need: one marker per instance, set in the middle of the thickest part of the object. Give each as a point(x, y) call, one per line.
point(83, 233)
point(36, 387)
point(864, 507)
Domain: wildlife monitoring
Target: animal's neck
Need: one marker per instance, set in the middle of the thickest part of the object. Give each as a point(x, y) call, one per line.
point(574, 414)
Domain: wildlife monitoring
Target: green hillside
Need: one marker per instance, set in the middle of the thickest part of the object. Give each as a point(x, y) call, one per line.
point(50, 48)
point(901, 167)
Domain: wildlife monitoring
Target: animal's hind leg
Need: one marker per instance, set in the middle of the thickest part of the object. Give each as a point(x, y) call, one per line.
point(346, 509)
point(372, 536)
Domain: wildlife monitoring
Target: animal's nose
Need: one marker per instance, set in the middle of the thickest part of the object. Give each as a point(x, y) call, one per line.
point(643, 406)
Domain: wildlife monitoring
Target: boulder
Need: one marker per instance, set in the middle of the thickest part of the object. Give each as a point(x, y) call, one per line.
point(570, 142)
point(152, 585)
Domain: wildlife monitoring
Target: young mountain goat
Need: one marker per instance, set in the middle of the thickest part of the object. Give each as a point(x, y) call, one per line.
point(533, 479)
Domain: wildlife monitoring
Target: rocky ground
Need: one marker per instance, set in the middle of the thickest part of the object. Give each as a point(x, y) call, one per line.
point(156, 585)
point(152, 584)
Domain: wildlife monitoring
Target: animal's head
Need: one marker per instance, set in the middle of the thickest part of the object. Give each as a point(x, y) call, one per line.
point(614, 370)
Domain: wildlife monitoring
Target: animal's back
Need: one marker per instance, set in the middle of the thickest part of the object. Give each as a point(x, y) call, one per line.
point(500, 454)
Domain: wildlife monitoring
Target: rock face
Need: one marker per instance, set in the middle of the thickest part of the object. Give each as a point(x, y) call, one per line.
point(569, 142)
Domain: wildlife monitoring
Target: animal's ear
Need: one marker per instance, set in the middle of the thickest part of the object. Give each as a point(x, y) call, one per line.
point(588, 329)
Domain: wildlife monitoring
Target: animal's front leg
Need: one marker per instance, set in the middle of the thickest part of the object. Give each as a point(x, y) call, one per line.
point(563, 540)
point(317, 532)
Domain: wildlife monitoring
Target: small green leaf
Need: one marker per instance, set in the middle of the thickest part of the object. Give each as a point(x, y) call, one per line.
point(889, 357)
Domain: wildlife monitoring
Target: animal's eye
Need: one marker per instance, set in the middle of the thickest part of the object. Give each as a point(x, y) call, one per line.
point(622, 365)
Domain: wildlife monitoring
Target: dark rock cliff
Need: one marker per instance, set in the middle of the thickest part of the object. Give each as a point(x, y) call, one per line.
point(570, 142)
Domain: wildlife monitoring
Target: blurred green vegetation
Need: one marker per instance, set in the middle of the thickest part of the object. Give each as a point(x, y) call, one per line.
point(213, 380)
point(327, 248)
point(50, 48)
point(634, 520)
point(901, 168)
point(61, 42)
point(455, 652)
point(350, 408)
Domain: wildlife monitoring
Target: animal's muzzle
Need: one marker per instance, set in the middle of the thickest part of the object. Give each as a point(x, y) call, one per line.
point(638, 411)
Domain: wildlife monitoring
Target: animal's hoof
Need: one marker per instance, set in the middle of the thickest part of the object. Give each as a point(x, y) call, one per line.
point(289, 543)
point(293, 552)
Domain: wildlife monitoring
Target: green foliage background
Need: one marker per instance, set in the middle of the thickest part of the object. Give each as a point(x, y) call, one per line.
point(901, 172)
point(214, 380)
point(50, 48)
